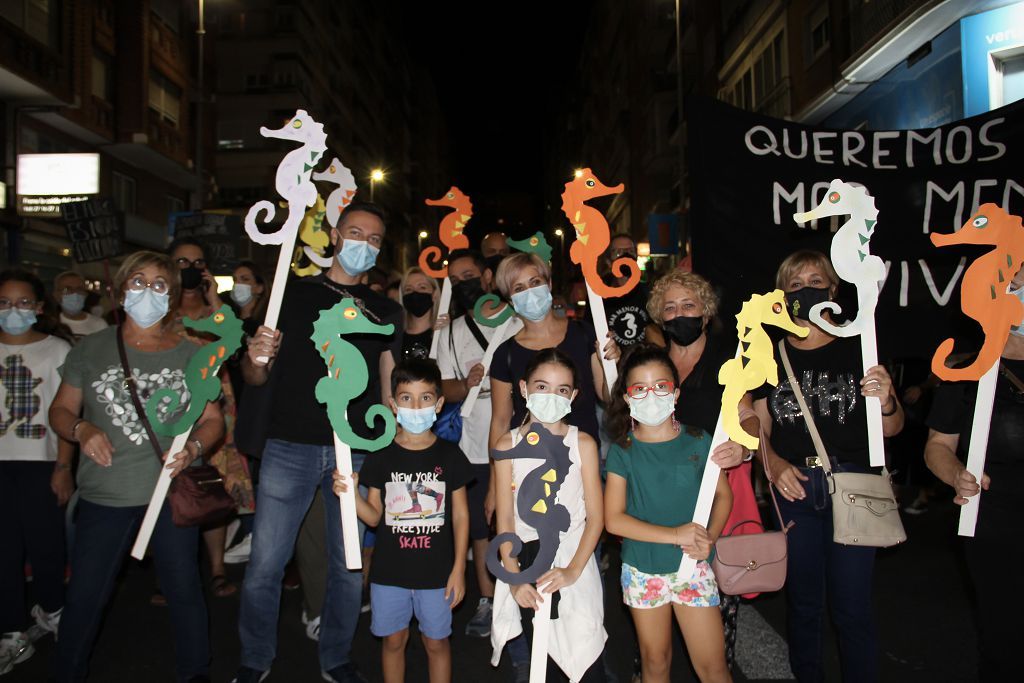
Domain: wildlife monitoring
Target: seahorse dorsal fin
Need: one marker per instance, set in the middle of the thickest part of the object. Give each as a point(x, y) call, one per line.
point(550, 476)
point(743, 361)
point(746, 330)
point(861, 254)
point(583, 238)
point(541, 507)
point(547, 490)
point(745, 345)
point(863, 239)
point(464, 218)
point(870, 224)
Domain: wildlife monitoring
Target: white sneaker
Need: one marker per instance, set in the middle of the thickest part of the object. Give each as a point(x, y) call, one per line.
point(47, 621)
point(15, 648)
point(312, 626)
point(239, 552)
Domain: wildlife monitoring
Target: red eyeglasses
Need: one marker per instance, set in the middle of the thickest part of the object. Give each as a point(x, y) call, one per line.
point(662, 388)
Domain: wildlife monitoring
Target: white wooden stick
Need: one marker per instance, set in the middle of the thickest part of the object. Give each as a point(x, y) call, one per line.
point(872, 404)
point(156, 501)
point(596, 304)
point(347, 501)
point(978, 446)
point(504, 330)
point(284, 264)
point(541, 638)
point(442, 309)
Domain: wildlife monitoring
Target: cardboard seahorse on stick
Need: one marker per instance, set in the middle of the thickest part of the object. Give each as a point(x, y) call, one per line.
point(984, 298)
point(753, 366)
point(853, 261)
point(592, 239)
point(452, 236)
point(203, 386)
point(314, 241)
point(346, 380)
point(293, 182)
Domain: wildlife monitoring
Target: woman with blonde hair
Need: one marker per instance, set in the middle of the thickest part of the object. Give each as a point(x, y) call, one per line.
point(418, 295)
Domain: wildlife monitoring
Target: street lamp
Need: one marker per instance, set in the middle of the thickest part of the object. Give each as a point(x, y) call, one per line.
point(578, 173)
point(560, 234)
point(422, 236)
point(200, 35)
point(376, 175)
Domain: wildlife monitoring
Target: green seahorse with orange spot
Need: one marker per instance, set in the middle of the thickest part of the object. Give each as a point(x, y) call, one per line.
point(200, 374)
point(347, 374)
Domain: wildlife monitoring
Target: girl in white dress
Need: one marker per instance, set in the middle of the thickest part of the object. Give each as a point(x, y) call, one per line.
point(568, 511)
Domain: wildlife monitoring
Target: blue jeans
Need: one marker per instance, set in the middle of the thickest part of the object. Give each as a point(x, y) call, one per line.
point(816, 565)
point(103, 537)
point(289, 475)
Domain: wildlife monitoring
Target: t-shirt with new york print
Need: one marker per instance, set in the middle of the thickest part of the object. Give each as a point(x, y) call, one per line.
point(415, 545)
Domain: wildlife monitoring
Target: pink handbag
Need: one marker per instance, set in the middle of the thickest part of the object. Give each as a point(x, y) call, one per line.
point(751, 562)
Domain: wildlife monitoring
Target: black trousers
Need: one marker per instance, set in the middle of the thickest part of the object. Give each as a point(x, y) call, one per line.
point(34, 533)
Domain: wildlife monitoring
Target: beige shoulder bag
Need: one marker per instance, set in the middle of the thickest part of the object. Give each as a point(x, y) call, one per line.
point(864, 508)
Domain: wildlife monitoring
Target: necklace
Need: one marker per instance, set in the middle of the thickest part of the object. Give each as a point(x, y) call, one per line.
point(340, 289)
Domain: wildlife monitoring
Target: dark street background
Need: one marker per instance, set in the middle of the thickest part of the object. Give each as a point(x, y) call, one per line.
point(921, 601)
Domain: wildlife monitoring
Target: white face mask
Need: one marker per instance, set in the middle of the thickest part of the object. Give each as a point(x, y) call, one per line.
point(241, 294)
point(548, 408)
point(652, 410)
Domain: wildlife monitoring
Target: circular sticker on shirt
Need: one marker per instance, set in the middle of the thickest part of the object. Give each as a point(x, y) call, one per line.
point(532, 438)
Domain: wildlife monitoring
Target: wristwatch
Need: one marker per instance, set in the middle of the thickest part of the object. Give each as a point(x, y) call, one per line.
point(199, 447)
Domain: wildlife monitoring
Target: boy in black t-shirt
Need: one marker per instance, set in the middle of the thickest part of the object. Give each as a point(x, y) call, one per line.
point(417, 496)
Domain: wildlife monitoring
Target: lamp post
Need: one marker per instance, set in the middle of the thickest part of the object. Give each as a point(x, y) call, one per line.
point(376, 175)
point(560, 234)
point(200, 36)
point(422, 236)
point(578, 173)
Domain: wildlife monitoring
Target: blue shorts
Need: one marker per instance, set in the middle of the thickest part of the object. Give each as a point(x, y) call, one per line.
point(392, 609)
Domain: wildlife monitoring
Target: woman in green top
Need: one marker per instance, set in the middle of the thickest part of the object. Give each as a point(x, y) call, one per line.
point(119, 469)
point(654, 474)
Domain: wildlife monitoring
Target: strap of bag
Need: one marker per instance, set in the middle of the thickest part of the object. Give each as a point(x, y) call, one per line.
point(477, 334)
point(771, 488)
point(819, 447)
point(129, 383)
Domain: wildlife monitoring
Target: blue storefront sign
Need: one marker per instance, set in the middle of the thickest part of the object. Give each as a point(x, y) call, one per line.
point(991, 47)
point(663, 233)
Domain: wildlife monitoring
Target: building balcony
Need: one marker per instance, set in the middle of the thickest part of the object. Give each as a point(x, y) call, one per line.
point(31, 72)
point(869, 20)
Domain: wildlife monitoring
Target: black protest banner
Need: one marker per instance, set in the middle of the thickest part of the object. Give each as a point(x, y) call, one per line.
point(750, 174)
point(95, 229)
point(220, 235)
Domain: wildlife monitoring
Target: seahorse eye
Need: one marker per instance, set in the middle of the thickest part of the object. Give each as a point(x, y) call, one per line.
point(979, 222)
point(351, 313)
point(590, 182)
point(297, 123)
point(332, 170)
point(534, 241)
point(777, 307)
point(451, 195)
point(218, 318)
point(834, 197)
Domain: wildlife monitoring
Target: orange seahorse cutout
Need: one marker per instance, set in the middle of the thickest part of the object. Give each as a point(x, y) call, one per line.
point(450, 231)
point(983, 294)
point(592, 236)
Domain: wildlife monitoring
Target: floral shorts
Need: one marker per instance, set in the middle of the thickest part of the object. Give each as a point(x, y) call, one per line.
point(645, 591)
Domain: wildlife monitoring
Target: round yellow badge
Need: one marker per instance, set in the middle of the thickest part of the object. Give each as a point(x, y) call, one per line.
point(532, 438)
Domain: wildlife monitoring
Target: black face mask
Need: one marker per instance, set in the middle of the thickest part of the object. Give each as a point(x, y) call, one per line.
point(683, 330)
point(417, 303)
point(801, 301)
point(467, 292)
point(191, 278)
point(493, 262)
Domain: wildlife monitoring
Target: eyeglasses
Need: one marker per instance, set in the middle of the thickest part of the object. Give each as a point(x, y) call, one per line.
point(139, 284)
point(183, 263)
point(20, 304)
point(659, 388)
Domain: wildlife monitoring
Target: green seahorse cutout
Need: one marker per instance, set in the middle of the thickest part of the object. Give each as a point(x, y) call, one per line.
point(201, 373)
point(537, 244)
point(347, 374)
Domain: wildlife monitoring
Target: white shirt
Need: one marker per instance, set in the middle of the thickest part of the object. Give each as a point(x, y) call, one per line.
point(457, 352)
point(83, 328)
point(28, 382)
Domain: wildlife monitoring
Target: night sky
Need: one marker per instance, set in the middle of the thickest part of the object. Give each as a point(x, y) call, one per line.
point(500, 81)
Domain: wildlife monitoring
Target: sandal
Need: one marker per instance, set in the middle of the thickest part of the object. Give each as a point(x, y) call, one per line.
point(222, 587)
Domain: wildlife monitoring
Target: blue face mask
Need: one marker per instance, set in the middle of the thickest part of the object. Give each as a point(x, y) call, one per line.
point(72, 304)
point(241, 294)
point(417, 420)
point(357, 256)
point(15, 321)
point(1019, 329)
point(533, 303)
point(146, 308)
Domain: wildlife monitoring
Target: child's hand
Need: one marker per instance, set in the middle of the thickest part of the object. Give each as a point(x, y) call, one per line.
point(692, 538)
point(556, 578)
point(455, 590)
point(527, 596)
point(340, 486)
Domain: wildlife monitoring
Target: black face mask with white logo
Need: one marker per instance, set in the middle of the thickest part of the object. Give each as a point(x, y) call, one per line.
point(684, 330)
point(799, 302)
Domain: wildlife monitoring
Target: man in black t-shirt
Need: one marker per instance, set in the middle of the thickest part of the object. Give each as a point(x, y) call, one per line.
point(299, 455)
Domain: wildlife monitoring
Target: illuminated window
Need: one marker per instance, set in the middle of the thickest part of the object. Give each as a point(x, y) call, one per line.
point(164, 98)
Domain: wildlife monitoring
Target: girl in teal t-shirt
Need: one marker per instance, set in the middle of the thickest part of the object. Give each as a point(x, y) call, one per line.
point(654, 474)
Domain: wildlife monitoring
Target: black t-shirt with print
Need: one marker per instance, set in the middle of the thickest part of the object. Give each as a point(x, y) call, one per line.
point(417, 345)
point(829, 379)
point(296, 415)
point(700, 394)
point(627, 316)
point(415, 546)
